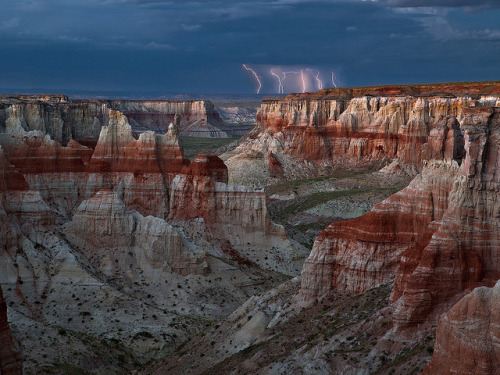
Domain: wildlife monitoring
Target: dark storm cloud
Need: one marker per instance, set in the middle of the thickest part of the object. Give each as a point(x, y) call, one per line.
point(442, 3)
point(199, 46)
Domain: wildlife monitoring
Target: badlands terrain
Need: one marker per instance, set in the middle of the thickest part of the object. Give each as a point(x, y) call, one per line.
point(352, 231)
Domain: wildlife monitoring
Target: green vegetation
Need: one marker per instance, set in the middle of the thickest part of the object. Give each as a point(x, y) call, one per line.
point(287, 185)
point(194, 145)
point(315, 199)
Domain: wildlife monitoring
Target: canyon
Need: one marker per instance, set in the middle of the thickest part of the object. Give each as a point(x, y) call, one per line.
point(374, 247)
point(126, 233)
point(399, 267)
point(82, 119)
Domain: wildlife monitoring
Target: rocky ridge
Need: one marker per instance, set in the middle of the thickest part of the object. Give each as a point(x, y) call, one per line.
point(81, 120)
point(313, 133)
point(436, 238)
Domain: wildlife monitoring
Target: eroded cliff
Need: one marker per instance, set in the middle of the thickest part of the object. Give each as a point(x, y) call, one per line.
point(314, 133)
point(468, 336)
point(436, 238)
point(81, 120)
point(129, 233)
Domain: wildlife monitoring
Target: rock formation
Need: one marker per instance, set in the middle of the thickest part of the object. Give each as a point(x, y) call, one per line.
point(334, 128)
point(468, 336)
point(91, 211)
point(437, 237)
point(131, 220)
point(111, 230)
point(81, 120)
point(463, 249)
point(196, 118)
point(10, 358)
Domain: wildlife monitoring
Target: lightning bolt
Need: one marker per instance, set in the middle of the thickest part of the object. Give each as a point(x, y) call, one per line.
point(281, 89)
point(303, 80)
point(285, 74)
point(333, 80)
point(318, 80)
point(256, 77)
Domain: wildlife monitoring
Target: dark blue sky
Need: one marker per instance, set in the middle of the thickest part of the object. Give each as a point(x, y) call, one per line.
point(176, 46)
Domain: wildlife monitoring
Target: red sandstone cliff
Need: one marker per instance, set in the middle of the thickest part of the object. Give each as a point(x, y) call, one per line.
point(310, 133)
point(10, 358)
point(464, 250)
point(468, 336)
point(437, 237)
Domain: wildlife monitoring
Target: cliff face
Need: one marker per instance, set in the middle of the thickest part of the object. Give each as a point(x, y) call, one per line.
point(311, 133)
point(437, 237)
point(150, 175)
point(81, 120)
point(150, 243)
point(463, 252)
point(468, 336)
point(196, 118)
point(359, 254)
point(235, 217)
point(10, 358)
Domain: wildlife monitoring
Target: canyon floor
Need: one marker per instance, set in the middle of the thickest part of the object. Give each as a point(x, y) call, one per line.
point(305, 207)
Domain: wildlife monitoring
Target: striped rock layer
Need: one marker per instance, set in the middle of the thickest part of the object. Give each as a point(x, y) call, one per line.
point(435, 238)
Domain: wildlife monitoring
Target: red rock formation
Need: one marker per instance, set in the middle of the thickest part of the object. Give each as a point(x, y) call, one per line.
point(346, 127)
point(359, 254)
point(193, 192)
point(10, 178)
point(140, 170)
point(464, 251)
point(17, 199)
point(274, 166)
point(150, 175)
point(36, 153)
point(10, 358)
point(468, 336)
point(234, 217)
point(118, 151)
point(440, 235)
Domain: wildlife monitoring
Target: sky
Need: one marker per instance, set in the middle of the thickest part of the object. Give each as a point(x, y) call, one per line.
point(172, 46)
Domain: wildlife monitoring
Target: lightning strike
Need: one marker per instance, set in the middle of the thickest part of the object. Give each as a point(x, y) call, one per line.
point(256, 77)
point(333, 80)
point(318, 80)
point(281, 89)
point(303, 80)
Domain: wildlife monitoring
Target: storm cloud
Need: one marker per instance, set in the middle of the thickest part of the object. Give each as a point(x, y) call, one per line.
point(199, 47)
